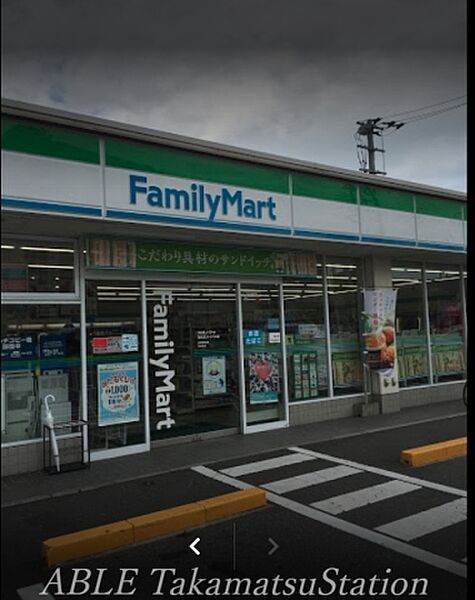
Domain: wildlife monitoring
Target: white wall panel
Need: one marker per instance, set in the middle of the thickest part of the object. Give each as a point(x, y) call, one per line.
point(440, 229)
point(49, 179)
point(324, 215)
point(382, 222)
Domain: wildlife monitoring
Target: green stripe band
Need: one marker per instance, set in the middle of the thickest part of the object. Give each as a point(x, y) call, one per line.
point(19, 135)
point(386, 198)
point(438, 207)
point(323, 188)
point(191, 165)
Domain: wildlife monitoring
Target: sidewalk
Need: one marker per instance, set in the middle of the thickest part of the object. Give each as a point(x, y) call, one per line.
point(29, 487)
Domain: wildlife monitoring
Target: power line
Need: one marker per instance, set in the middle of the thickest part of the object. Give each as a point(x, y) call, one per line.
point(405, 112)
point(433, 113)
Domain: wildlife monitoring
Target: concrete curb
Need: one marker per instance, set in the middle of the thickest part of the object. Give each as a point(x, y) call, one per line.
point(434, 452)
point(88, 542)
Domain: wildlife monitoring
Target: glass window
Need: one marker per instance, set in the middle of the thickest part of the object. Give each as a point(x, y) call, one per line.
point(263, 364)
point(444, 291)
point(40, 356)
point(305, 338)
point(193, 364)
point(343, 280)
point(114, 364)
point(411, 338)
point(34, 266)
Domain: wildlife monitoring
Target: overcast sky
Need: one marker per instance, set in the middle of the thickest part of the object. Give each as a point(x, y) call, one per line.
point(290, 77)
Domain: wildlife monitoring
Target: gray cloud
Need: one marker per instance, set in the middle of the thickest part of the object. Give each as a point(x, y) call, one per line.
point(288, 77)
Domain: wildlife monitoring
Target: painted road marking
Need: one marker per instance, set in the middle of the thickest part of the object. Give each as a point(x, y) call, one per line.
point(265, 465)
point(427, 521)
point(282, 486)
point(32, 592)
point(391, 474)
point(370, 495)
point(367, 534)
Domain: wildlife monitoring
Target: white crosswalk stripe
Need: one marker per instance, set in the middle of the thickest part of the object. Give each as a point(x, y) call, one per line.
point(370, 495)
point(265, 465)
point(33, 592)
point(298, 482)
point(371, 535)
point(396, 534)
point(427, 521)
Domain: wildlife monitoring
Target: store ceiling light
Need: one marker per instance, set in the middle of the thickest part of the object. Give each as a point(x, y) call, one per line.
point(127, 299)
point(343, 266)
point(403, 279)
point(50, 266)
point(41, 249)
point(7, 247)
point(114, 287)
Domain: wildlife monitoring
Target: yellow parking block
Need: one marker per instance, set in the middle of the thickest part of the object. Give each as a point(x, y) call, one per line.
point(167, 521)
point(434, 452)
point(87, 542)
point(226, 505)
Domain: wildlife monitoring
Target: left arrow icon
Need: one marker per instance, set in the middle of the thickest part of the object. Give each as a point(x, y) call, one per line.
point(193, 547)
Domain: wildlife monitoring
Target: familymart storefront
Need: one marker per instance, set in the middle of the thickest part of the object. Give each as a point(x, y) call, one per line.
point(161, 288)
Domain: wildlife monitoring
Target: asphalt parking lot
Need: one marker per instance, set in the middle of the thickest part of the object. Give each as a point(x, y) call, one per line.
point(325, 512)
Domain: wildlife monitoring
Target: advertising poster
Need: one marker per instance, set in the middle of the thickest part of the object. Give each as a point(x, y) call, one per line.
point(214, 375)
point(253, 337)
point(304, 375)
point(116, 344)
point(118, 393)
point(346, 368)
point(52, 345)
point(379, 315)
point(263, 377)
point(18, 346)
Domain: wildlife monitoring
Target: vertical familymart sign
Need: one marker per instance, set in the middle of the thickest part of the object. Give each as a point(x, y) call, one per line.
point(159, 197)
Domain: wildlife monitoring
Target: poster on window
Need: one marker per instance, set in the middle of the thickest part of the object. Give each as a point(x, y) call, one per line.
point(263, 377)
point(379, 314)
point(118, 393)
point(214, 375)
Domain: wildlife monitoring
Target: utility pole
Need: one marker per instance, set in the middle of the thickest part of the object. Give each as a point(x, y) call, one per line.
point(369, 129)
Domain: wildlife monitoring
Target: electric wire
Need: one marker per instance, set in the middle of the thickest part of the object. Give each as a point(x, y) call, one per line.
point(405, 112)
point(432, 113)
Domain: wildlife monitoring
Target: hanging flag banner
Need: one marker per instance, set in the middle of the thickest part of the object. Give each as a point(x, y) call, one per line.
point(379, 314)
point(118, 396)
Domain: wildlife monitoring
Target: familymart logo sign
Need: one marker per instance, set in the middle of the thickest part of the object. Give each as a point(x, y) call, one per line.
point(199, 199)
point(161, 353)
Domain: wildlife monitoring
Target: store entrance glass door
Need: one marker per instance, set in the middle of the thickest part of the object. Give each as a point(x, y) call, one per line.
point(264, 377)
point(193, 358)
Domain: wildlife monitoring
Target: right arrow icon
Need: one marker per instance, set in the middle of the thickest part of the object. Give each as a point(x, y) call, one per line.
point(275, 545)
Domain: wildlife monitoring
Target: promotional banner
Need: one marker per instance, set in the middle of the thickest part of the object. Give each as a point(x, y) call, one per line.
point(168, 256)
point(118, 393)
point(214, 375)
point(379, 315)
point(263, 377)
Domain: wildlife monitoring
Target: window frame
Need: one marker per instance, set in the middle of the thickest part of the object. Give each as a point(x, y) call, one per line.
point(46, 297)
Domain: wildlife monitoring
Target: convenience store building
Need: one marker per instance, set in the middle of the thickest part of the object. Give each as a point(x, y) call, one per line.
point(166, 289)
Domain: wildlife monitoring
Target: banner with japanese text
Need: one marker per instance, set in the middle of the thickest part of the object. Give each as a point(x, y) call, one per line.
point(379, 315)
point(166, 256)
